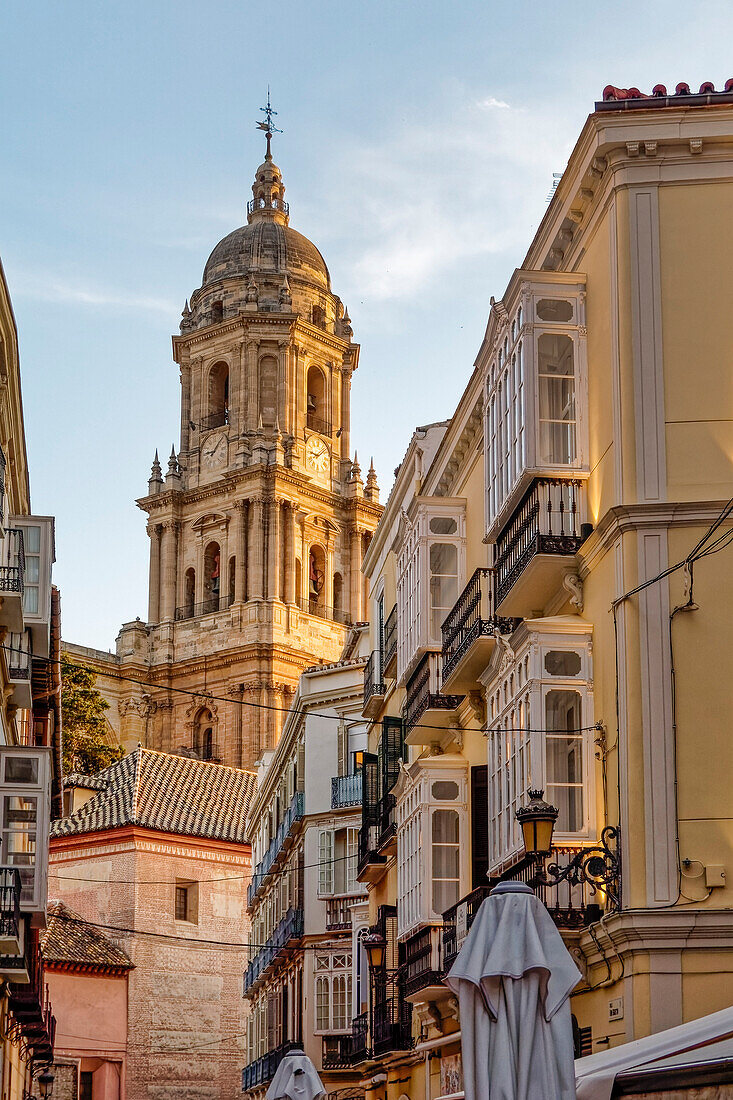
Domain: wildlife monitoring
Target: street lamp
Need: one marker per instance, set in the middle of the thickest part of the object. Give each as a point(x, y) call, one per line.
point(598, 866)
point(375, 946)
point(45, 1083)
point(537, 820)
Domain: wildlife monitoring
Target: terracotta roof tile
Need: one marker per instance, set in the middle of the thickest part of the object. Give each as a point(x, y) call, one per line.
point(171, 794)
point(70, 942)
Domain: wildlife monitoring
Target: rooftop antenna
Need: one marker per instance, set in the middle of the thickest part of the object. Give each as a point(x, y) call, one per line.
point(267, 125)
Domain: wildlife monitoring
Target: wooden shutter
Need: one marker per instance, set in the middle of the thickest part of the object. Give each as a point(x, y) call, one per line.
point(479, 825)
point(370, 790)
point(393, 750)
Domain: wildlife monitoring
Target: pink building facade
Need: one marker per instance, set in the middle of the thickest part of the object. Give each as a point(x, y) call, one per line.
point(156, 859)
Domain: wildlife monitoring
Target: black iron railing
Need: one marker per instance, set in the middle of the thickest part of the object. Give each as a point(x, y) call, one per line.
point(317, 424)
point(332, 614)
point(387, 819)
point(392, 1023)
point(346, 791)
point(469, 907)
point(423, 691)
point(288, 928)
point(390, 637)
point(273, 204)
point(292, 815)
point(264, 1068)
point(421, 964)
point(373, 682)
point(547, 521)
point(12, 569)
point(359, 1046)
point(207, 607)
point(472, 617)
point(338, 911)
point(214, 420)
point(336, 1052)
point(18, 657)
point(10, 889)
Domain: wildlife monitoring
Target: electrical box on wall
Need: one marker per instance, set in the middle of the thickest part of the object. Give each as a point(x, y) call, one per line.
point(616, 1009)
point(714, 875)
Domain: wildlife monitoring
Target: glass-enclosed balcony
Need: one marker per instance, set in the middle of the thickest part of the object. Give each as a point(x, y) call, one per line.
point(390, 643)
point(537, 546)
point(374, 687)
point(469, 633)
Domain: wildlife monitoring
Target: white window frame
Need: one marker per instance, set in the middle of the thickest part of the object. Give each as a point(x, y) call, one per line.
point(517, 745)
point(415, 807)
point(335, 975)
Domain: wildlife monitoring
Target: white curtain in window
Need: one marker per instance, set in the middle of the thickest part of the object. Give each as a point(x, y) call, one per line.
point(446, 859)
point(325, 861)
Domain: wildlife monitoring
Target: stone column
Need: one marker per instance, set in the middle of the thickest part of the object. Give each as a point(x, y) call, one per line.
point(282, 384)
point(355, 574)
point(195, 410)
point(252, 394)
point(289, 593)
point(185, 407)
point(169, 553)
point(298, 399)
point(240, 532)
point(304, 568)
point(345, 411)
point(154, 577)
point(328, 581)
point(273, 551)
point(291, 381)
point(255, 549)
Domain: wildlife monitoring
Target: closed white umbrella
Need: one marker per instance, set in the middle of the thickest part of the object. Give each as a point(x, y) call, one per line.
point(513, 978)
point(296, 1079)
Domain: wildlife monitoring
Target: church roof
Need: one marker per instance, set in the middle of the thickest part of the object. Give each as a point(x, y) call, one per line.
point(264, 246)
point(170, 794)
point(71, 943)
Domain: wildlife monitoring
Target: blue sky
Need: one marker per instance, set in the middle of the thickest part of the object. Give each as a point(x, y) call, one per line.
point(418, 150)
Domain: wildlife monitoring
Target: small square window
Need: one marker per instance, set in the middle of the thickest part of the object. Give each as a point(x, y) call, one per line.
point(186, 902)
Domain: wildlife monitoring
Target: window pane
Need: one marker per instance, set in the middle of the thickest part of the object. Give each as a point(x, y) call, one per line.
point(21, 769)
point(552, 309)
point(445, 894)
point(559, 662)
point(446, 861)
point(445, 826)
point(445, 790)
point(556, 385)
point(564, 760)
point(32, 569)
point(562, 711)
point(30, 600)
point(443, 525)
point(443, 558)
point(32, 540)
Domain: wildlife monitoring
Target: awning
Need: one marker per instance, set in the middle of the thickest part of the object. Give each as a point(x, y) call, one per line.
point(682, 1050)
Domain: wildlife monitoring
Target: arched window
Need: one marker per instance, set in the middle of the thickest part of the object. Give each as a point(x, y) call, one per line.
point(218, 413)
point(318, 316)
point(212, 577)
point(268, 390)
point(189, 595)
point(316, 578)
point(316, 402)
point(203, 734)
point(232, 577)
point(338, 596)
point(217, 312)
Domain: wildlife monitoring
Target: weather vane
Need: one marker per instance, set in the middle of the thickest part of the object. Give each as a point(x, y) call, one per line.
point(267, 126)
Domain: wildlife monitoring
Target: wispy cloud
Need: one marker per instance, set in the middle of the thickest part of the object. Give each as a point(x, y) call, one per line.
point(49, 288)
point(442, 192)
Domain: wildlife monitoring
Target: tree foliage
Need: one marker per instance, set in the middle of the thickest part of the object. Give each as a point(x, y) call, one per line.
point(85, 730)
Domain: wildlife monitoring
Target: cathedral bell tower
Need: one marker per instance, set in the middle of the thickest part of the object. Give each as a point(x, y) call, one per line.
point(258, 528)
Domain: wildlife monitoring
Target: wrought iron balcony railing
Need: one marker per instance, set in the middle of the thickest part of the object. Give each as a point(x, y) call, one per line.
point(422, 960)
point(317, 424)
point(469, 907)
point(547, 521)
point(273, 204)
point(373, 681)
point(293, 814)
point(392, 1024)
point(18, 657)
point(12, 561)
point(338, 911)
point(207, 607)
point(471, 618)
point(423, 691)
point(336, 1052)
point(214, 420)
point(359, 1047)
point(288, 928)
point(264, 1068)
point(331, 614)
point(390, 638)
point(346, 791)
point(10, 890)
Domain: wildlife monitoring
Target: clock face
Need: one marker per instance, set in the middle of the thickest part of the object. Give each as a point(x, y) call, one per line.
point(213, 453)
point(317, 456)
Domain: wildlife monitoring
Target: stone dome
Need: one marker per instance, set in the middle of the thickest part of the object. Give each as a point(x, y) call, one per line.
point(266, 246)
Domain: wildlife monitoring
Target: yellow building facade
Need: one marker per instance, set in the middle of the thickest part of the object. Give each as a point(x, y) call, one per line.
point(549, 593)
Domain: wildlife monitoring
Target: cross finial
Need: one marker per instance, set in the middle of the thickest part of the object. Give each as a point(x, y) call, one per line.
point(267, 125)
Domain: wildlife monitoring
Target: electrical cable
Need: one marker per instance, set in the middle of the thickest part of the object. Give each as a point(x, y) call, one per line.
point(208, 696)
point(224, 878)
